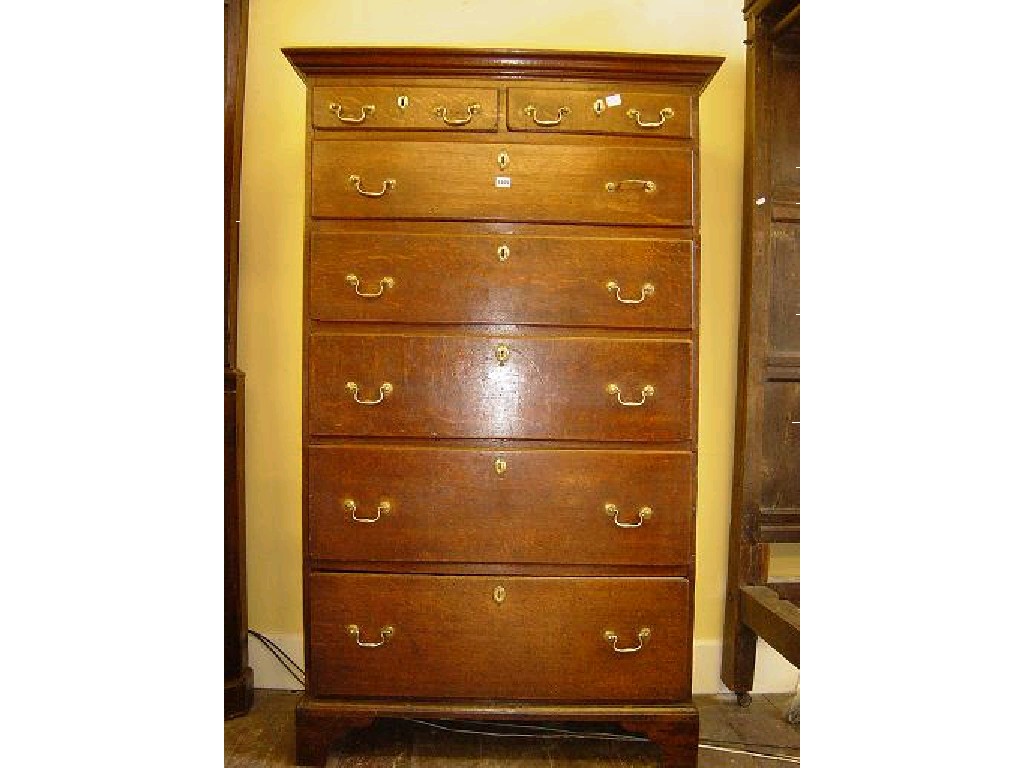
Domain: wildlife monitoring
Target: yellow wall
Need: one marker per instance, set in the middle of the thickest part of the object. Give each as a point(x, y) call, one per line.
point(271, 237)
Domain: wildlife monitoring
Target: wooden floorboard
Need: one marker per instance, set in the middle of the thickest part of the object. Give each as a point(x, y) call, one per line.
point(265, 739)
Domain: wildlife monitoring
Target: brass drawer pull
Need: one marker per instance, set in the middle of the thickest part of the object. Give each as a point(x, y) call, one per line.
point(647, 391)
point(666, 113)
point(646, 290)
point(366, 109)
point(442, 112)
point(643, 634)
point(616, 186)
point(644, 514)
point(385, 282)
point(385, 635)
point(385, 389)
point(382, 509)
point(531, 111)
point(357, 183)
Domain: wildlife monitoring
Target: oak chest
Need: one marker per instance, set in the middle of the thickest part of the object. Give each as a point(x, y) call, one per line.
point(500, 388)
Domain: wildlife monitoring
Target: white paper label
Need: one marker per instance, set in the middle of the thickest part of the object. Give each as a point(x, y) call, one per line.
point(503, 182)
point(614, 100)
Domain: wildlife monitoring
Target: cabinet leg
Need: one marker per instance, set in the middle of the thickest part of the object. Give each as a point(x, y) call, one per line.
point(739, 653)
point(238, 695)
point(676, 738)
point(316, 732)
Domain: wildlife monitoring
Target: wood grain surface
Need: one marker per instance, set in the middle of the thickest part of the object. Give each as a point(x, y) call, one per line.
point(483, 262)
point(469, 276)
point(545, 66)
point(544, 641)
point(766, 463)
point(583, 118)
point(453, 386)
point(419, 114)
point(478, 515)
point(457, 180)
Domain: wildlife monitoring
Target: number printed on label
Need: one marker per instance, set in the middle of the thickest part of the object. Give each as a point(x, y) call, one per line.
point(503, 182)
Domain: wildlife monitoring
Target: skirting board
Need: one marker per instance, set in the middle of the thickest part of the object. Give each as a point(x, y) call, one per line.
point(772, 674)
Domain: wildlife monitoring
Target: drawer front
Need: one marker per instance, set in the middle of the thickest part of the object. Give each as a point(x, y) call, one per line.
point(499, 279)
point(420, 385)
point(430, 109)
point(547, 183)
point(370, 503)
point(632, 112)
point(545, 639)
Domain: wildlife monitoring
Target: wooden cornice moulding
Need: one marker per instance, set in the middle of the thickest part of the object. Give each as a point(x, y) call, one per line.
point(505, 63)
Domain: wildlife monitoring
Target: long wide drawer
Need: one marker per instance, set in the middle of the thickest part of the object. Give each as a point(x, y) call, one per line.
point(463, 180)
point(461, 386)
point(374, 503)
point(523, 638)
point(429, 277)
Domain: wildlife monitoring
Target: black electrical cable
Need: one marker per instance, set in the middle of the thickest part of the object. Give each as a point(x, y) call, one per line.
point(279, 653)
point(281, 656)
point(559, 733)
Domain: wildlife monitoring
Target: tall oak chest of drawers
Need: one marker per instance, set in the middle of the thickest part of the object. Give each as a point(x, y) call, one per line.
point(500, 369)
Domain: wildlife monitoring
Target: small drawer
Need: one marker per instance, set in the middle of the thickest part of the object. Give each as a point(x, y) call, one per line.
point(608, 111)
point(512, 638)
point(596, 507)
point(469, 386)
point(398, 108)
point(460, 274)
point(647, 185)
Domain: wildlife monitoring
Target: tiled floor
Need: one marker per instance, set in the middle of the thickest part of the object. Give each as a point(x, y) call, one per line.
point(265, 739)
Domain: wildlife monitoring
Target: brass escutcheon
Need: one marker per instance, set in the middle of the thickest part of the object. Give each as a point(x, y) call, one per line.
point(503, 159)
point(499, 594)
point(500, 466)
point(501, 353)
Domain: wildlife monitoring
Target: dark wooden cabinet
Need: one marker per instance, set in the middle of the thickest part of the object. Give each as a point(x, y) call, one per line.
point(238, 680)
point(500, 389)
point(766, 476)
